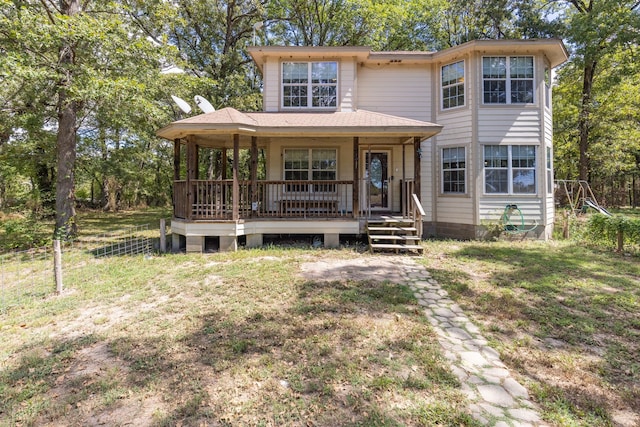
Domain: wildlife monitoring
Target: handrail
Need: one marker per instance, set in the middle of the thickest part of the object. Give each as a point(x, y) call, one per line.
point(418, 205)
point(417, 213)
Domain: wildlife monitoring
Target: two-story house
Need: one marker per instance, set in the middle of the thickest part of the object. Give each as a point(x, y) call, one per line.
point(445, 139)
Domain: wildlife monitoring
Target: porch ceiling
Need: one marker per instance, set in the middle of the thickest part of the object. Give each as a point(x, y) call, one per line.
point(219, 125)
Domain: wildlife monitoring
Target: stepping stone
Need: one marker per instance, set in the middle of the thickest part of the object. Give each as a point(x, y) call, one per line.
point(496, 372)
point(515, 388)
point(473, 358)
point(525, 415)
point(444, 312)
point(496, 394)
point(458, 333)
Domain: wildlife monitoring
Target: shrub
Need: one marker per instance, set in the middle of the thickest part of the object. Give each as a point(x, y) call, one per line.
point(617, 230)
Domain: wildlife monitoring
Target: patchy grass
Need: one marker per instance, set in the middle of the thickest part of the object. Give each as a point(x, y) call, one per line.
point(225, 339)
point(244, 339)
point(566, 318)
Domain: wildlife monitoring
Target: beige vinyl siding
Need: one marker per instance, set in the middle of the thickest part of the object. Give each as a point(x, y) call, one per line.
point(457, 127)
point(548, 136)
point(426, 177)
point(491, 209)
point(457, 132)
point(400, 90)
point(509, 126)
point(271, 84)
point(347, 85)
point(456, 209)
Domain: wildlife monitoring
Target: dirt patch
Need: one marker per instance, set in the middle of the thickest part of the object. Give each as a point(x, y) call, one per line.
point(377, 269)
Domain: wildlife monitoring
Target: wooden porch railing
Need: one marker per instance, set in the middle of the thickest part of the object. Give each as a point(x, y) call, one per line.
point(211, 200)
point(407, 189)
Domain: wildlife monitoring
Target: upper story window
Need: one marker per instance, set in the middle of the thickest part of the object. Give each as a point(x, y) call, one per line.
point(507, 79)
point(309, 84)
point(453, 85)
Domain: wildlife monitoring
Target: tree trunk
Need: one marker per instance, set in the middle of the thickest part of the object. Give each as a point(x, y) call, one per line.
point(584, 121)
point(66, 141)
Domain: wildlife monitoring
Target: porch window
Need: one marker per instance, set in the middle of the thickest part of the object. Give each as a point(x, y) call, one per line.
point(510, 169)
point(310, 165)
point(453, 85)
point(507, 79)
point(453, 170)
point(309, 84)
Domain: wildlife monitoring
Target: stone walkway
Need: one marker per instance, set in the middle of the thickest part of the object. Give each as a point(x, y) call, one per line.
point(496, 398)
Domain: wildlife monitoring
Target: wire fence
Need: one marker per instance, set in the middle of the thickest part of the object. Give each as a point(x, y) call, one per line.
point(28, 275)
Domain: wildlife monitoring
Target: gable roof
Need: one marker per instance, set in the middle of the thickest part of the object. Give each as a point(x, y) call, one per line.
point(357, 123)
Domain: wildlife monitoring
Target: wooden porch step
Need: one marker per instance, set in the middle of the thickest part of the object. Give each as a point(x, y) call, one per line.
point(392, 229)
point(395, 246)
point(392, 237)
point(389, 221)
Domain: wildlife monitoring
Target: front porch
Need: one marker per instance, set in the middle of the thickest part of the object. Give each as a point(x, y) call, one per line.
point(291, 173)
point(210, 208)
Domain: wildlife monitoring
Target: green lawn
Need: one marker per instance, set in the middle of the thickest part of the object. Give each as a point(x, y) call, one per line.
point(565, 318)
point(243, 339)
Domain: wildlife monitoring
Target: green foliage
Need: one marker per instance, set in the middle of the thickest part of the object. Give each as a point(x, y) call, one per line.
point(604, 230)
point(23, 232)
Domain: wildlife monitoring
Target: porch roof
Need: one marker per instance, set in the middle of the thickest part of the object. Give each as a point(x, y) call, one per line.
point(360, 123)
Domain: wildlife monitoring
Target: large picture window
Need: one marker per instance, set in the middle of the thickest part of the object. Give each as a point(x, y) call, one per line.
point(453, 85)
point(510, 169)
point(507, 79)
point(302, 164)
point(309, 84)
point(453, 170)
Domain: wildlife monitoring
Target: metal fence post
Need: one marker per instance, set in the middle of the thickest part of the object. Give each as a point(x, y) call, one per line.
point(57, 265)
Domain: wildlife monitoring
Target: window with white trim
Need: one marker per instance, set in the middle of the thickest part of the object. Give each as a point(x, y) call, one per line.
point(452, 85)
point(453, 170)
point(309, 84)
point(306, 164)
point(510, 169)
point(507, 79)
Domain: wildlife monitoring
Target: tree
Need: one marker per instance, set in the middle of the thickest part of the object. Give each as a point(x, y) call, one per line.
point(596, 29)
point(69, 52)
point(380, 24)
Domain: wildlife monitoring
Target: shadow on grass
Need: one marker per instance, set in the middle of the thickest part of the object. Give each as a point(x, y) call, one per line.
point(354, 353)
point(567, 297)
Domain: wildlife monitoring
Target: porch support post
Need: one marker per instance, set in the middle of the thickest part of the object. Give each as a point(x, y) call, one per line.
point(196, 162)
point(176, 159)
point(416, 165)
point(236, 185)
point(356, 178)
point(254, 175)
point(224, 164)
point(176, 174)
point(191, 174)
point(403, 185)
